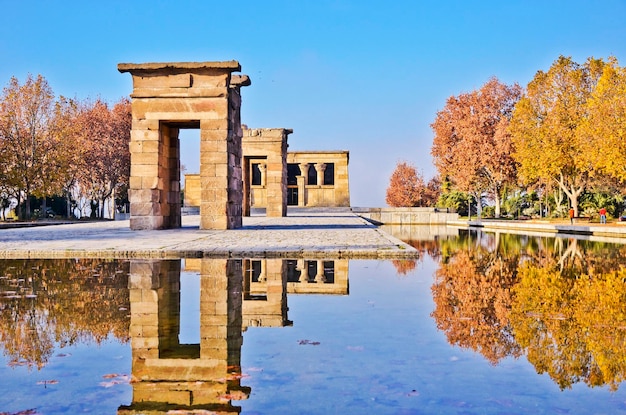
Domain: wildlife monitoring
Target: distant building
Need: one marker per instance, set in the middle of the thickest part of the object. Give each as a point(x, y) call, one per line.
point(275, 180)
point(318, 179)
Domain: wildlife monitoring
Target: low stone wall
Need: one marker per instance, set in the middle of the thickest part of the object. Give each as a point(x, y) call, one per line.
point(399, 216)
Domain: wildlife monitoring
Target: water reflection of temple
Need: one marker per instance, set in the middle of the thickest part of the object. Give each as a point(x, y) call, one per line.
point(167, 374)
point(266, 283)
point(234, 295)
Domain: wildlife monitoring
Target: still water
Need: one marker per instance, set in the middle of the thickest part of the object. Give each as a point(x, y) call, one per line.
point(480, 324)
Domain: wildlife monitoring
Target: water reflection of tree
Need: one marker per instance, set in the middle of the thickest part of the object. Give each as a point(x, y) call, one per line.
point(472, 297)
point(430, 247)
point(48, 302)
point(560, 302)
point(572, 328)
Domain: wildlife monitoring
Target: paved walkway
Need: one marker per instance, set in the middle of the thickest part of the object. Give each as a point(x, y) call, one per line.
point(328, 234)
point(609, 232)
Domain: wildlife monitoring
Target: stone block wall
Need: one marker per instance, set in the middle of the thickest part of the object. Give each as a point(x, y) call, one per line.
point(407, 215)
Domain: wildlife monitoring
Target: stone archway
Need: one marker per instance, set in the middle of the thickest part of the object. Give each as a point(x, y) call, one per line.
point(171, 96)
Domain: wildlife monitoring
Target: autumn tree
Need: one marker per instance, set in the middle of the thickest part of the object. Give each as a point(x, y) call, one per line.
point(406, 187)
point(105, 133)
point(29, 152)
point(545, 124)
point(432, 191)
point(602, 132)
point(68, 162)
point(472, 145)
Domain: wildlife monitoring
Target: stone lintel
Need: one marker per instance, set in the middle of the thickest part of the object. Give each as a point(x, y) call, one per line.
point(261, 133)
point(240, 80)
point(179, 67)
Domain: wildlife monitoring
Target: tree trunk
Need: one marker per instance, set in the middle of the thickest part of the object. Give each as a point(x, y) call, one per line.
point(113, 201)
point(572, 193)
point(498, 203)
point(68, 200)
point(479, 207)
point(26, 207)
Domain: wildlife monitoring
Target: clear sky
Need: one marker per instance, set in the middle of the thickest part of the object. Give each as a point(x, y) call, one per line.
point(360, 75)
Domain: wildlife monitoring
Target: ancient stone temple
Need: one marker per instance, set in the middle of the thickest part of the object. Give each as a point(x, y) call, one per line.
point(166, 98)
point(313, 178)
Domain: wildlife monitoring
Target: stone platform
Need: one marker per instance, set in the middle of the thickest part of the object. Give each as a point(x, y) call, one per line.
point(332, 233)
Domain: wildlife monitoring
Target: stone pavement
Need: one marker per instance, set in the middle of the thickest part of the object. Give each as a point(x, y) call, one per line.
point(321, 233)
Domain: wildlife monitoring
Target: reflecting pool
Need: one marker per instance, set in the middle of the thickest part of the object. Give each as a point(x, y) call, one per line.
point(481, 324)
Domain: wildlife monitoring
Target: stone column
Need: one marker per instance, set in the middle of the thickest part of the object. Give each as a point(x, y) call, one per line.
point(304, 271)
point(320, 167)
point(263, 169)
point(302, 182)
point(320, 277)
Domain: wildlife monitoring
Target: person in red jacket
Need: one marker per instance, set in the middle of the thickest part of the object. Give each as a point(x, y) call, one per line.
point(571, 216)
point(602, 215)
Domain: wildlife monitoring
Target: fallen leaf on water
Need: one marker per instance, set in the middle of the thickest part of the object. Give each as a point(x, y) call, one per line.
point(115, 380)
point(47, 382)
point(14, 363)
point(24, 412)
point(235, 376)
point(312, 343)
point(234, 396)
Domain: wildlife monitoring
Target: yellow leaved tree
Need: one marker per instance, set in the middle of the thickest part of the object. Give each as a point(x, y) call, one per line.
point(545, 123)
point(603, 133)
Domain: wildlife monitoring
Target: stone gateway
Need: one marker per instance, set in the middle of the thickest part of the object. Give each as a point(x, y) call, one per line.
point(166, 98)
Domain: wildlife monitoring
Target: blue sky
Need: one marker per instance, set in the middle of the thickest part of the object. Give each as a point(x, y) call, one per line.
point(359, 75)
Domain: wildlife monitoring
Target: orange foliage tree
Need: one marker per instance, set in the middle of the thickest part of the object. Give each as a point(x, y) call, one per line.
point(472, 146)
point(407, 188)
point(105, 133)
point(60, 146)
